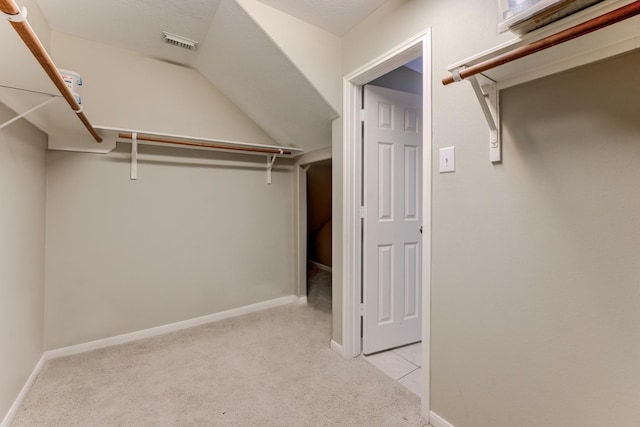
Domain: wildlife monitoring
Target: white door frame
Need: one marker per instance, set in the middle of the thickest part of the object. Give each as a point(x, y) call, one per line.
point(419, 45)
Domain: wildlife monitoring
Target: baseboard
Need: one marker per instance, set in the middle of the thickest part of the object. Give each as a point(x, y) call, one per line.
point(437, 421)
point(337, 348)
point(172, 327)
point(23, 393)
point(303, 300)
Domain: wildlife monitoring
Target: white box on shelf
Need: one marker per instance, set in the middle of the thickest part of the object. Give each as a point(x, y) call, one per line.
point(71, 79)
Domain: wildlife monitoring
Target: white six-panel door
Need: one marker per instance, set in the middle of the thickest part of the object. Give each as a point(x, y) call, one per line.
point(393, 217)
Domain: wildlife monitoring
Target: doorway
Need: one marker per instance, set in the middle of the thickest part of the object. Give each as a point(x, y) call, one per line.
point(418, 46)
point(319, 162)
point(319, 226)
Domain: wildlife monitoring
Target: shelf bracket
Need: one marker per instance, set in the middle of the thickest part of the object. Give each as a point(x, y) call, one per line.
point(271, 159)
point(37, 107)
point(21, 16)
point(134, 156)
point(488, 96)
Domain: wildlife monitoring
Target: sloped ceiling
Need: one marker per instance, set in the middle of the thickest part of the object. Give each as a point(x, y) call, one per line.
point(133, 24)
point(262, 81)
point(234, 53)
point(335, 16)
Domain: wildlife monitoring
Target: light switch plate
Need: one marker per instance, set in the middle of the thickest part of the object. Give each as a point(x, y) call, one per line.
point(447, 159)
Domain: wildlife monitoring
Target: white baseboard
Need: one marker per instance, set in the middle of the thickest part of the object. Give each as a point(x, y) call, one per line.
point(337, 348)
point(23, 393)
point(303, 300)
point(437, 421)
point(172, 327)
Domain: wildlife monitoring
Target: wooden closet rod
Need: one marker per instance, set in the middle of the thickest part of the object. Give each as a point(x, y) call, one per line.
point(192, 143)
point(571, 33)
point(29, 37)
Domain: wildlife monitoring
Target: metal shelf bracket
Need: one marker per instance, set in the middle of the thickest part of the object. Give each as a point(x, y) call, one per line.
point(37, 107)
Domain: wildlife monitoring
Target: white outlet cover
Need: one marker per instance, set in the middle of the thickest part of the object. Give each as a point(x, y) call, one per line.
point(447, 159)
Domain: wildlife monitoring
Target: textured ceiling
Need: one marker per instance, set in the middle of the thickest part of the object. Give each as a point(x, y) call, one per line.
point(335, 16)
point(234, 53)
point(133, 24)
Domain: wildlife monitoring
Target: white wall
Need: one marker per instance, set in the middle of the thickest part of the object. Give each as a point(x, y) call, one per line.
point(197, 233)
point(22, 233)
point(535, 301)
point(559, 317)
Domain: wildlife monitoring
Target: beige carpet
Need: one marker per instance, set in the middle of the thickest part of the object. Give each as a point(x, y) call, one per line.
point(272, 368)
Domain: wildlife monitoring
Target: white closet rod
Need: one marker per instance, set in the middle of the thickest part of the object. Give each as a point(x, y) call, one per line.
point(18, 19)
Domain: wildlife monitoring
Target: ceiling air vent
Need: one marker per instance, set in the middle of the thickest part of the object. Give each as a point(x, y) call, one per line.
point(179, 41)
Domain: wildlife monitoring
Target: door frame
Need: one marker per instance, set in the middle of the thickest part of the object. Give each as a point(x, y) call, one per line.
point(419, 45)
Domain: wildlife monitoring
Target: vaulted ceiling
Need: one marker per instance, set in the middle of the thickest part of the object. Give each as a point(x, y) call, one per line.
point(335, 16)
point(234, 52)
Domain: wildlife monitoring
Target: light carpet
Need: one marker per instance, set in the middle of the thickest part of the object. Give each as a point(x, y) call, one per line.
point(270, 368)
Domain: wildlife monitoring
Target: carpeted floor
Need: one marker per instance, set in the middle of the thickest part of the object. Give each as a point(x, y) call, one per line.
point(271, 368)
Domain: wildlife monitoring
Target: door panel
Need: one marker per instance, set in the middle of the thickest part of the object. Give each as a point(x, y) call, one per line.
point(392, 240)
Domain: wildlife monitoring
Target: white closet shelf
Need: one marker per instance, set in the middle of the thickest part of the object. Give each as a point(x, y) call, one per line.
point(156, 138)
point(135, 137)
point(603, 30)
point(606, 42)
point(15, 76)
point(31, 85)
point(52, 116)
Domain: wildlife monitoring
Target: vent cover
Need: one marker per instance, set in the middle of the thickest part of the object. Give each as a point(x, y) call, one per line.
point(179, 41)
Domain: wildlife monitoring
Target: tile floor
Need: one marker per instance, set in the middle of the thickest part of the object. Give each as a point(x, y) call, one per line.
point(403, 364)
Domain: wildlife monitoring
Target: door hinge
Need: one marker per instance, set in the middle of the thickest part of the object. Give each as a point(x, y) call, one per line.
point(363, 213)
point(363, 115)
point(361, 309)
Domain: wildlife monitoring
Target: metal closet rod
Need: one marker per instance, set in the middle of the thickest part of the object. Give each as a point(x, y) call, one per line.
point(193, 143)
point(29, 37)
point(571, 33)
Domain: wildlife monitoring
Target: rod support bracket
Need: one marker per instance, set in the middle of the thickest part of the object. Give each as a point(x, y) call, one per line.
point(271, 159)
point(18, 17)
point(456, 75)
point(134, 156)
point(486, 90)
